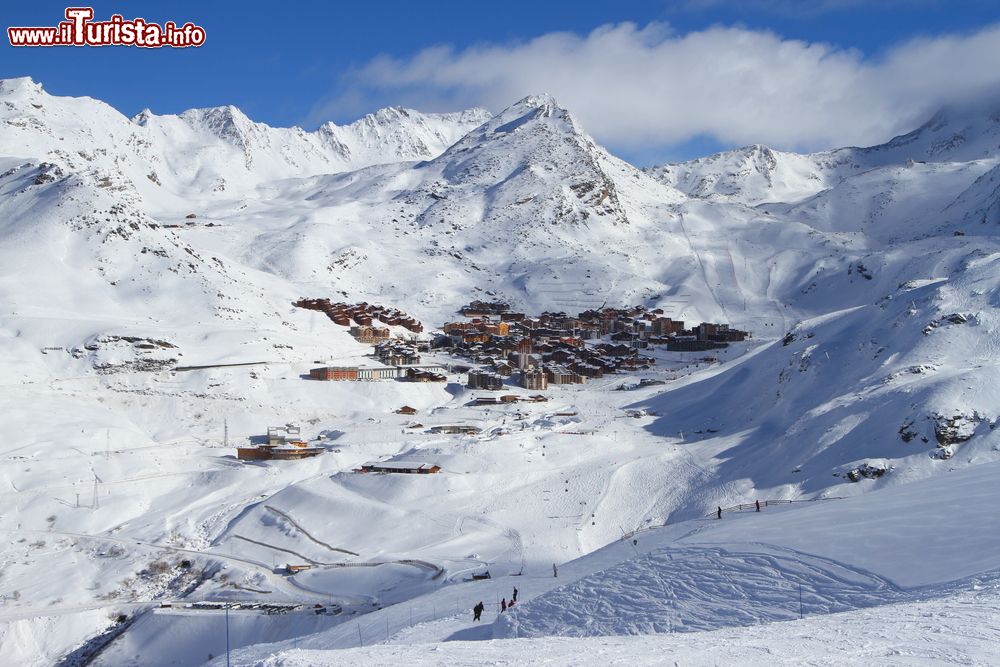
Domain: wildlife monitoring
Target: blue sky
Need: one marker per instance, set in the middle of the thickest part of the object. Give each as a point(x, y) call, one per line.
point(303, 62)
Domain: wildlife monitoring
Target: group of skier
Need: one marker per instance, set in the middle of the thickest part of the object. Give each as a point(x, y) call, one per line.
point(718, 511)
point(477, 611)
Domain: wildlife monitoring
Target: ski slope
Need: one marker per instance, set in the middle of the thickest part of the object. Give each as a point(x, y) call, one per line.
point(134, 246)
point(886, 555)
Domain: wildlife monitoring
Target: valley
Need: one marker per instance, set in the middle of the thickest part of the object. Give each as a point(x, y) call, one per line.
point(143, 346)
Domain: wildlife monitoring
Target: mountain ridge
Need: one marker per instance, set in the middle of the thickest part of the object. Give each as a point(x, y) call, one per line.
point(870, 290)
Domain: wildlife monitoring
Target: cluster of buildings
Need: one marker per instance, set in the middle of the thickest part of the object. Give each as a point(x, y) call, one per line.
point(535, 366)
point(550, 349)
point(362, 314)
point(399, 353)
point(635, 324)
point(397, 359)
point(284, 443)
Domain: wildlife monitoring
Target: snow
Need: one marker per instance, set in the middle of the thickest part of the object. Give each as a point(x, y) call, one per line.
point(950, 631)
point(912, 542)
point(847, 267)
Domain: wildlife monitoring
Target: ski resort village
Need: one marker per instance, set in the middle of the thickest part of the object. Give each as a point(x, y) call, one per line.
point(466, 388)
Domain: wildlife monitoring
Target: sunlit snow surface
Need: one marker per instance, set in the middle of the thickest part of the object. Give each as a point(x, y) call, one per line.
point(868, 278)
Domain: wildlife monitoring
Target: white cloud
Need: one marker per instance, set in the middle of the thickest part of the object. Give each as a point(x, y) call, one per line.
point(635, 87)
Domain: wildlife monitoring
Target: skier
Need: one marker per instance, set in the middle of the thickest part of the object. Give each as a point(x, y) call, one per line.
point(477, 611)
point(758, 505)
point(513, 598)
point(503, 605)
point(718, 513)
point(555, 571)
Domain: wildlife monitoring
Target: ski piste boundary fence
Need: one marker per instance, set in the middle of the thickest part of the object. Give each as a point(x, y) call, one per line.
point(743, 507)
point(380, 629)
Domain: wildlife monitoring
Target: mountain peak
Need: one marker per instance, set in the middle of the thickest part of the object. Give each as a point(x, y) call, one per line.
point(957, 131)
point(224, 114)
point(20, 87)
point(542, 105)
point(541, 108)
point(143, 117)
point(538, 100)
point(226, 122)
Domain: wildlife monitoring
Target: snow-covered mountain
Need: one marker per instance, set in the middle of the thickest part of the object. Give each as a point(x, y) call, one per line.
point(757, 174)
point(205, 151)
point(867, 277)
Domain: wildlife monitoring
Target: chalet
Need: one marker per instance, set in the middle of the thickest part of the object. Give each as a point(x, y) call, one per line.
point(379, 373)
point(587, 370)
point(397, 354)
point(458, 327)
point(524, 360)
point(364, 333)
point(496, 329)
point(485, 380)
point(406, 410)
point(253, 453)
point(479, 308)
point(475, 337)
point(421, 375)
point(400, 467)
point(280, 435)
point(485, 400)
point(663, 326)
point(563, 375)
point(692, 344)
point(503, 369)
point(561, 356)
point(364, 314)
point(619, 350)
point(411, 324)
point(718, 333)
point(339, 373)
point(284, 443)
point(534, 379)
point(455, 429)
point(294, 453)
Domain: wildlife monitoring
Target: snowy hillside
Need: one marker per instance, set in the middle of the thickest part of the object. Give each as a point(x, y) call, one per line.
point(744, 585)
point(209, 151)
point(150, 266)
point(758, 174)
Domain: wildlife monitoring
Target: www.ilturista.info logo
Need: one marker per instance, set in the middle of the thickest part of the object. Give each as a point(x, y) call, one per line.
point(79, 29)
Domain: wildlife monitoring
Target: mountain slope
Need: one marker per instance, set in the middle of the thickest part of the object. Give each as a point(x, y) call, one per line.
point(867, 278)
point(204, 152)
point(757, 174)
